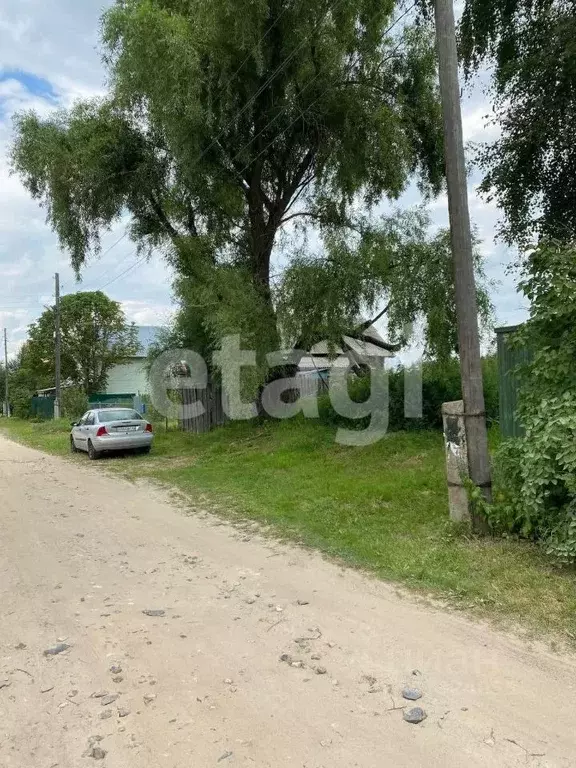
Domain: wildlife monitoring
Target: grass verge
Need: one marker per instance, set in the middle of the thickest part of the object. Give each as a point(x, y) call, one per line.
point(382, 508)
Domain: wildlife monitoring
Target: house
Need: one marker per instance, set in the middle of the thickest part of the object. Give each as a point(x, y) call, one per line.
point(367, 349)
point(130, 377)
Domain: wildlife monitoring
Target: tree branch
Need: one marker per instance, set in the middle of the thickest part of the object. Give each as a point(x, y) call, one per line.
point(164, 220)
point(368, 323)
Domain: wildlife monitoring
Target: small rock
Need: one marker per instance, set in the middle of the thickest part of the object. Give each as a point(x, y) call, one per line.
point(320, 670)
point(115, 669)
point(297, 664)
point(60, 648)
point(154, 612)
point(315, 657)
point(225, 756)
point(464, 709)
point(110, 699)
point(106, 714)
point(20, 646)
point(123, 712)
point(303, 602)
point(99, 694)
point(279, 609)
point(149, 698)
point(228, 681)
point(117, 679)
point(98, 753)
point(416, 672)
point(250, 600)
point(412, 694)
point(285, 657)
point(415, 715)
point(72, 694)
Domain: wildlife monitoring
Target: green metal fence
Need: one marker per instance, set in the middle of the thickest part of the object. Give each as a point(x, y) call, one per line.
point(509, 358)
point(100, 400)
point(42, 407)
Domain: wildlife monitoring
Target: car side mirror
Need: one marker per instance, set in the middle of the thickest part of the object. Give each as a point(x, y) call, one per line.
point(75, 423)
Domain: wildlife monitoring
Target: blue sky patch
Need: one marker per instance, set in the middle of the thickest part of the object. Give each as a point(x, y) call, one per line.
point(37, 86)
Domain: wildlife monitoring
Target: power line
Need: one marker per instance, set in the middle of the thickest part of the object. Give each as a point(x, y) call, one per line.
point(106, 252)
point(126, 271)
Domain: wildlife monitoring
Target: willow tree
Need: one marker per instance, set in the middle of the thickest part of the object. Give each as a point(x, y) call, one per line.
point(531, 168)
point(231, 126)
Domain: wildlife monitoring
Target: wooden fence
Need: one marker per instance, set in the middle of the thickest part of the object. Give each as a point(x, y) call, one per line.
point(214, 414)
point(210, 399)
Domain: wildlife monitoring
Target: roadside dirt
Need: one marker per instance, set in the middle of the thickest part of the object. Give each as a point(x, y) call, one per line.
point(265, 655)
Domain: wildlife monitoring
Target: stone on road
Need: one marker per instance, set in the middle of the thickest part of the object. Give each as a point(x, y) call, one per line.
point(118, 548)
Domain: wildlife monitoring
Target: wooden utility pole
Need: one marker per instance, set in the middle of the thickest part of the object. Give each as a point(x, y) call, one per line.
point(466, 301)
point(57, 402)
point(6, 385)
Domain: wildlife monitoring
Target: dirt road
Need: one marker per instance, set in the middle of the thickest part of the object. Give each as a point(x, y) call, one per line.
point(84, 555)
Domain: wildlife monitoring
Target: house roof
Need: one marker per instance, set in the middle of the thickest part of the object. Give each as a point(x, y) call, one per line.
point(147, 335)
point(351, 350)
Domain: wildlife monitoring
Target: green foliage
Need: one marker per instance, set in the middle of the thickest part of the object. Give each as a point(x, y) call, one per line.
point(393, 262)
point(537, 474)
point(95, 336)
point(74, 402)
point(227, 119)
point(549, 284)
point(531, 168)
point(441, 383)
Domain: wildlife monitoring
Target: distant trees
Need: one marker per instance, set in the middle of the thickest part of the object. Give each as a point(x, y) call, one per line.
point(95, 337)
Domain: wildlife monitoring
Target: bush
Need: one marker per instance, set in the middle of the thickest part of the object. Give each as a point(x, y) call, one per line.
point(536, 480)
point(441, 383)
point(74, 402)
point(536, 475)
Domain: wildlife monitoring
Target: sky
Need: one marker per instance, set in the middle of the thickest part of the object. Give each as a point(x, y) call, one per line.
point(48, 59)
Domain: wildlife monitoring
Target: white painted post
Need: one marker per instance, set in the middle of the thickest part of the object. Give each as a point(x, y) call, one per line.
point(456, 460)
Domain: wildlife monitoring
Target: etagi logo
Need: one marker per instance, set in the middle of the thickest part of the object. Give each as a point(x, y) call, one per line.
point(282, 398)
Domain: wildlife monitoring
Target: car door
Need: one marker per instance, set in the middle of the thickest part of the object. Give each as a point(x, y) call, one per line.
point(89, 427)
point(81, 432)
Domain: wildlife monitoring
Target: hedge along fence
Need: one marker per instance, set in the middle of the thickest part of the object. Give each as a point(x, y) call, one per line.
point(441, 383)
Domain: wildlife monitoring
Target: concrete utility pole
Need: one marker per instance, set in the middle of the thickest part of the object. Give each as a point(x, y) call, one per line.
point(6, 385)
point(466, 302)
point(57, 346)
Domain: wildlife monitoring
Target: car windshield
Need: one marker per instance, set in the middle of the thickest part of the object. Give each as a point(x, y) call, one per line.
point(122, 414)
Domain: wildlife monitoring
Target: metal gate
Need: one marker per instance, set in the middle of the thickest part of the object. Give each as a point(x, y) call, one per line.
point(509, 358)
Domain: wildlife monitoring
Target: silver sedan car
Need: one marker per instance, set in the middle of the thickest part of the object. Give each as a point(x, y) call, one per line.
point(111, 429)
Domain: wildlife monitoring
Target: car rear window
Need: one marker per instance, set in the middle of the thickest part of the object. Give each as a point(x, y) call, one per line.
point(122, 414)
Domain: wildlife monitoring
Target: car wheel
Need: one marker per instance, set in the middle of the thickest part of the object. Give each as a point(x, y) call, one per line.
point(73, 448)
point(92, 452)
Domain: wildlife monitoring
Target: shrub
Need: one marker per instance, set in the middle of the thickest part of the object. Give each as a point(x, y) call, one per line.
point(441, 383)
point(536, 480)
point(536, 475)
point(74, 402)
